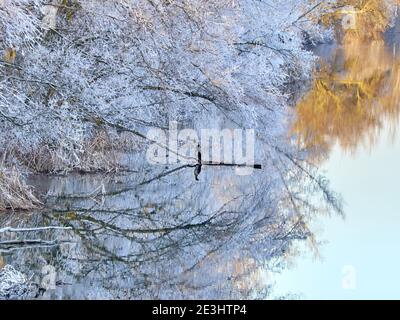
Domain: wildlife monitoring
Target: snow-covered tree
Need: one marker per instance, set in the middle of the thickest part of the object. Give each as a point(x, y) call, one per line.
point(78, 72)
point(72, 67)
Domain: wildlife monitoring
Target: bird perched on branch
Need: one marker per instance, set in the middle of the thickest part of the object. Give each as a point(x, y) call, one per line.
point(197, 169)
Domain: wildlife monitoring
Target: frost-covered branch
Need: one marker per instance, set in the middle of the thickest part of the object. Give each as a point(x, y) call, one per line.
point(14, 285)
point(15, 230)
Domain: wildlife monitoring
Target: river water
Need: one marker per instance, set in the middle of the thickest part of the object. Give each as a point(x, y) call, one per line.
point(351, 115)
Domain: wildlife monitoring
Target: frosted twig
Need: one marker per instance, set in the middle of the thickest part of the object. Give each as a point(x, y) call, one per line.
point(9, 229)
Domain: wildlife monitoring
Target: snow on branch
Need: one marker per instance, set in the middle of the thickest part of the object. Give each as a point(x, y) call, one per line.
point(14, 284)
point(9, 229)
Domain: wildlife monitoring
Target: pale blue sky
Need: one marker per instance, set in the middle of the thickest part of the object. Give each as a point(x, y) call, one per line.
point(368, 239)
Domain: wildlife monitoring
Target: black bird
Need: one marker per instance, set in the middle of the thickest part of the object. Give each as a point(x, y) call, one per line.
point(197, 169)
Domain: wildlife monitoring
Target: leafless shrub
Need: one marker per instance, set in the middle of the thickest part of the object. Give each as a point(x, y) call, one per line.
point(14, 193)
point(101, 153)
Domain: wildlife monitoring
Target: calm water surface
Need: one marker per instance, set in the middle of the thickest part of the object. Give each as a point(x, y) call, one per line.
point(351, 115)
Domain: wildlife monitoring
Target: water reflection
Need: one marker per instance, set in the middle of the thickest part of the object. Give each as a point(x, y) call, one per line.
point(356, 90)
point(361, 19)
point(352, 108)
point(168, 238)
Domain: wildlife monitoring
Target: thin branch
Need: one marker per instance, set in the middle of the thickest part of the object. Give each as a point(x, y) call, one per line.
point(307, 13)
point(9, 229)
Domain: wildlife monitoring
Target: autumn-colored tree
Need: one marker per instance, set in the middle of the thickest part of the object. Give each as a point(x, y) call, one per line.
point(365, 19)
point(350, 99)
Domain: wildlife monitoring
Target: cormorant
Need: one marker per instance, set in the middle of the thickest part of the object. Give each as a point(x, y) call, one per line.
point(197, 169)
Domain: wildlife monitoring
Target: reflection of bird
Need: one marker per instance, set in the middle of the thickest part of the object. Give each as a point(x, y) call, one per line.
point(197, 170)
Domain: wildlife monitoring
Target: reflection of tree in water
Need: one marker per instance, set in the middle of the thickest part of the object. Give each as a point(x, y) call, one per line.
point(174, 237)
point(351, 99)
point(369, 18)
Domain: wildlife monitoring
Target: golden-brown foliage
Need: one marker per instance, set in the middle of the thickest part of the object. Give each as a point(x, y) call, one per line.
point(371, 18)
point(350, 99)
point(10, 54)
